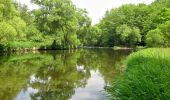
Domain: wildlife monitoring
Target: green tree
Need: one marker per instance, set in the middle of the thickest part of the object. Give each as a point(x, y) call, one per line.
point(83, 25)
point(19, 26)
point(7, 33)
point(155, 38)
point(33, 34)
point(130, 36)
point(129, 14)
point(57, 17)
point(24, 13)
point(7, 10)
point(159, 37)
point(165, 29)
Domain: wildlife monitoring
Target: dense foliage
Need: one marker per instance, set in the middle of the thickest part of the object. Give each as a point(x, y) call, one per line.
point(141, 21)
point(58, 24)
point(146, 77)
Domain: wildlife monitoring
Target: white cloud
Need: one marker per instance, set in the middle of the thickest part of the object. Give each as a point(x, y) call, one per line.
point(96, 8)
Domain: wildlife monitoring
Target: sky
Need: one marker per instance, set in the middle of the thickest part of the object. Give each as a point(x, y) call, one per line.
point(96, 8)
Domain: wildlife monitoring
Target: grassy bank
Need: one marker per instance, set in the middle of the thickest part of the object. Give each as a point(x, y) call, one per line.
point(147, 77)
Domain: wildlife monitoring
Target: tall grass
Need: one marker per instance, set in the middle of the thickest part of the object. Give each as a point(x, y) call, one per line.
point(147, 77)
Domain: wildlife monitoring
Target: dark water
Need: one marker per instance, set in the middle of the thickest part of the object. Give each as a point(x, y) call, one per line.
point(59, 75)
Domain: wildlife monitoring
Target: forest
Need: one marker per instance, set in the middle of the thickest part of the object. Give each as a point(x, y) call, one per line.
point(59, 24)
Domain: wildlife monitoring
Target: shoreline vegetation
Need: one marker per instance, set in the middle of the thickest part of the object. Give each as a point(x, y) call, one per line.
point(59, 24)
point(146, 76)
point(38, 48)
point(68, 48)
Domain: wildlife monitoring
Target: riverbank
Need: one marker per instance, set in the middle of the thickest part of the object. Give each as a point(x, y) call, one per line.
point(31, 46)
point(146, 77)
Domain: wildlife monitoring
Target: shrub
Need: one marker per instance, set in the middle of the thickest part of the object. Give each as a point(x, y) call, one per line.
point(155, 38)
point(159, 37)
point(128, 35)
point(7, 32)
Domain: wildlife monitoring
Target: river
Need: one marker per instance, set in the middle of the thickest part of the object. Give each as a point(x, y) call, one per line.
point(80, 74)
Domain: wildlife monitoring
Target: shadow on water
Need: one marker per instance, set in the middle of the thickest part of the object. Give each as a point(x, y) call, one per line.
point(59, 75)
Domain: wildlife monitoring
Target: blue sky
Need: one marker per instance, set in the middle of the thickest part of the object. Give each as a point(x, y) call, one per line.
point(96, 8)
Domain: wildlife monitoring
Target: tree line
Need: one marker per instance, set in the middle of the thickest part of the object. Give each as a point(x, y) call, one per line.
point(59, 24)
point(137, 25)
point(56, 24)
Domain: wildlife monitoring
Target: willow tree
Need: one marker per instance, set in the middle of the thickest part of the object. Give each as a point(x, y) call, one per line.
point(57, 17)
point(8, 14)
point(7, 10)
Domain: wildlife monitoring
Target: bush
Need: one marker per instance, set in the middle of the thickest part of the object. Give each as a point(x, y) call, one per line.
point(20, 44)
point(155, 38)
point(159, 37)
point(130, 36)
point(7, 32)
point(147, 77)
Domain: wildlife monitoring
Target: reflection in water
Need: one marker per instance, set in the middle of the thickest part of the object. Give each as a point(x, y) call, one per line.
point(26, 94)
point(93, 90)
point(33, 79)
point(59, 75)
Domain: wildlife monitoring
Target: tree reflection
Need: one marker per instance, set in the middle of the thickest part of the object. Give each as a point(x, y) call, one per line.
point(64, 77)
point(56, 74)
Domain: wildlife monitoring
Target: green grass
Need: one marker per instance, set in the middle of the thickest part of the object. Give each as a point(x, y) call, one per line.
point(147, 77)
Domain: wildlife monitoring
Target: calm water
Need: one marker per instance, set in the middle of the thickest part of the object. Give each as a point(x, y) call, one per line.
point(59, 75)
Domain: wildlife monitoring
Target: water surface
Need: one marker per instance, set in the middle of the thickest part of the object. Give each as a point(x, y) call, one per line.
point(79, 74)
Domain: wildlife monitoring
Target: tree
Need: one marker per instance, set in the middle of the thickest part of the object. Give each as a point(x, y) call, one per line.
point(129, 36)
point(19, 26)
point(129, 14)
point(57, 17)
point(24, 13)
point(7, 33)
point(165, 29)
point(159, 37)
point(33, 34)
point(155, 38)
point(7, 10)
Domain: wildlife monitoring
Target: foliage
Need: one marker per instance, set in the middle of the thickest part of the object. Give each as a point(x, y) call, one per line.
point(60, 21)
point(19, 26)
point(57, 17)
point(130, 36)
point(165, 29)
point(133, 16)
point(7, 10)
point(160, 37)
point(142, 17)
point(154, 38)
point(54, 20)
point(7, 33)
point(146, 77)
point(33, 34)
